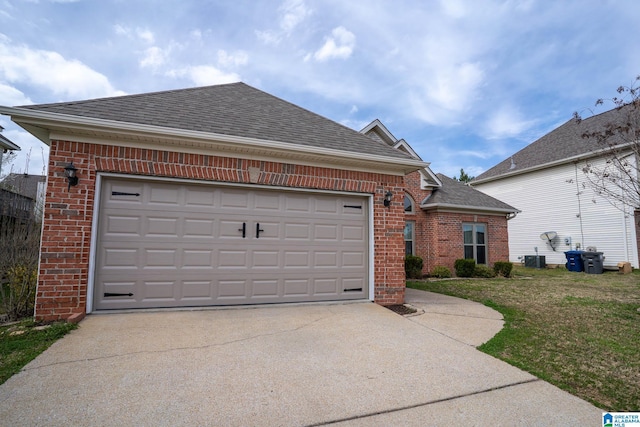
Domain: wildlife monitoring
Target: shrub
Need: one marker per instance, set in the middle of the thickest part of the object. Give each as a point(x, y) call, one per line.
point(413, 267)
point(441, 272)
point(503, 268)
point(464, 267)
point(483, 271)
point(19, 249)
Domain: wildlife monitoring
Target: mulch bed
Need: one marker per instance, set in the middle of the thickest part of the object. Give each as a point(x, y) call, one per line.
point(401, 309)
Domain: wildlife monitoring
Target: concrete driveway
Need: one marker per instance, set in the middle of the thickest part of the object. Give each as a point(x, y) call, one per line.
point(293, 365)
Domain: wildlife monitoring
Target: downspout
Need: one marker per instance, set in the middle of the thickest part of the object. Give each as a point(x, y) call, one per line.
point(578, 192)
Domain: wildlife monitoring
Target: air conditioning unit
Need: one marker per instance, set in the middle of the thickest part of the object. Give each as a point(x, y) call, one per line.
point(535, 261)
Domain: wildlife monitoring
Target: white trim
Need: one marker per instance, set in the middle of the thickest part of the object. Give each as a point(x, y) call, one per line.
point(246, 185)
point(371, 282)
point(443, 207)
point(385, 132)
point(98, 196)
point(93, 242)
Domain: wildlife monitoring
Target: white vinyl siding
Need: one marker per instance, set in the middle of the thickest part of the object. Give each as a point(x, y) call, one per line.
point(559, 199)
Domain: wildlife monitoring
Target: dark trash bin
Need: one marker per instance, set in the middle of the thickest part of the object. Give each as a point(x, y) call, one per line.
point(574, 261)
point(593, 262)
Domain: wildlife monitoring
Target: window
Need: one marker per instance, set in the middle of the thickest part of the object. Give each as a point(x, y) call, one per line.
point(409, 237)
point(475, 242)
point(408, 204)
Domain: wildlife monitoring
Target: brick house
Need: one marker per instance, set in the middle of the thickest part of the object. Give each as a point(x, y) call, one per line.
point(216, 195)
point(445, 219)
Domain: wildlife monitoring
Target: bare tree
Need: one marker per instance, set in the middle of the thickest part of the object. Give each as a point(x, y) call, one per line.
point(614, 174)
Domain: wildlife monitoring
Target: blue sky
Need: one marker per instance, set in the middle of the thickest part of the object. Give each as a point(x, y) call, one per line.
point(465, 83)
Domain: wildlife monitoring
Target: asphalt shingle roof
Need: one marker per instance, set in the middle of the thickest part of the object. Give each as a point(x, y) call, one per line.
point(458, 194)
point(562, 143)
point(233, 109)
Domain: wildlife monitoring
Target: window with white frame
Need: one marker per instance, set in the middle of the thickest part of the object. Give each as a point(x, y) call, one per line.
point(475, 242)
point(409, 237)
point(408, 204)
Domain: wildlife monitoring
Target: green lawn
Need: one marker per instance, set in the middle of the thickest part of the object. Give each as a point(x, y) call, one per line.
point(21, 342)
point(578, 331)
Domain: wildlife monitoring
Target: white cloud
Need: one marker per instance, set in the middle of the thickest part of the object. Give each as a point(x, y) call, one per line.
point(293, 13)
point(11, 96)
point(50, 70)
point(446, 93)
point(506, 122)
point(145, 35)
point(232, 60)
point(153, 57)
point(340, 45)
point(204, 75)
point(452, 86)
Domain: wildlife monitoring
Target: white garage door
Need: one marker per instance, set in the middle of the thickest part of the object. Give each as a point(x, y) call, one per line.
point(166, 244)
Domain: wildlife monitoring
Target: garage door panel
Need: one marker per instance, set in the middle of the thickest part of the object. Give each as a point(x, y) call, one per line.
point(199, 198)
point(232, 289)
point(199, 228)
point(297, 231)
point(159, 290)
point(120, 258)
point(265, 289)
point(296, 259)
point(232, 259)
point(265, 259)
point(182, 245)
point(165, 259)
point(234, 199)
point(197, 259)
point(157, 226)
point(120, 225)
point(163, 195)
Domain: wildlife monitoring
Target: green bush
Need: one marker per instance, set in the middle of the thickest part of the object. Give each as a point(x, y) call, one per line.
point(413, 266)
point(441, 272)
point(483, 271)
point(464, 267)
point(503, 268)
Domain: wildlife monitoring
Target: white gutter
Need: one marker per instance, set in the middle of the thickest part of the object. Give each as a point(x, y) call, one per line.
point(46, 120)
point(453, 207)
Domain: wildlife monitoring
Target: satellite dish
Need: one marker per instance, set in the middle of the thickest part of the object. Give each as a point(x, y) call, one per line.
point(548, 237)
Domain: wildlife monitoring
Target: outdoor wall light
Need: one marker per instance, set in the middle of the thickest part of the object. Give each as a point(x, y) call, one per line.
point(70, 173)
point(387, 199)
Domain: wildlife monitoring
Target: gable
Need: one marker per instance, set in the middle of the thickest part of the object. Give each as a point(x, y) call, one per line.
point(229, 118)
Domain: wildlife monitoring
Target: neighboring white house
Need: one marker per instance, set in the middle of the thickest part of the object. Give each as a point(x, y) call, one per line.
point(546, 182)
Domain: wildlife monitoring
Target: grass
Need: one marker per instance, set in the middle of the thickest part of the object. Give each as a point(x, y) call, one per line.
point(21, 342)
point(580, 332)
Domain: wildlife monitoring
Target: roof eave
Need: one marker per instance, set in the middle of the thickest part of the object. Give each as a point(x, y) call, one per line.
point(573, 159)
point(41, 124)
point(6, 144)
point(475, 209)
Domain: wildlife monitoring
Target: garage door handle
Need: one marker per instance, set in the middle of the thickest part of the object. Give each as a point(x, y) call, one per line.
point(243, 229)
point(258, 230)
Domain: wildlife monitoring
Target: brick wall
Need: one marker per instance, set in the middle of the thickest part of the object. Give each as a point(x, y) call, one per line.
point(68, 214)
point(438, 235)
point(447, 242)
